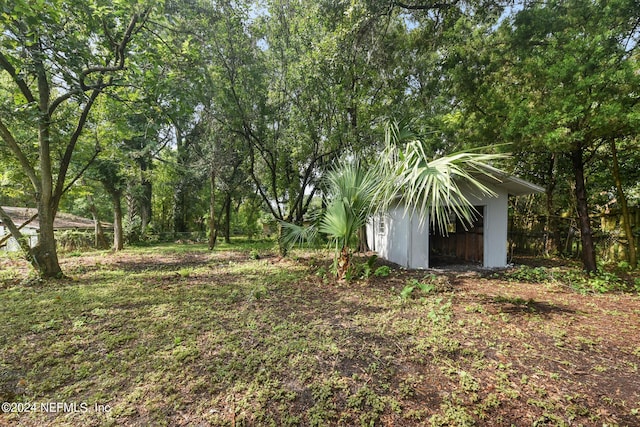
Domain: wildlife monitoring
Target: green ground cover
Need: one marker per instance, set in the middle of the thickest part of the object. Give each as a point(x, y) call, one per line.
point(177, 335)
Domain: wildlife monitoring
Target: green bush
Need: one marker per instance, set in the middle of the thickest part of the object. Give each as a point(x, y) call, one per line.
point(72, 240)
point(132, 232)
point(254, 254)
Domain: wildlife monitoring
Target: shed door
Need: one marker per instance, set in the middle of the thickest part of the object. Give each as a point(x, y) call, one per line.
point(459, 245)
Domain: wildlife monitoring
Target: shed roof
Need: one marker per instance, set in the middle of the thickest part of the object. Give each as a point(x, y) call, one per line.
point(63, 221)
point(509, 183)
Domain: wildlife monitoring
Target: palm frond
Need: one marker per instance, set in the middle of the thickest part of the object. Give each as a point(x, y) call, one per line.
point(298, 235)
point(352, 192)
point(434, 186)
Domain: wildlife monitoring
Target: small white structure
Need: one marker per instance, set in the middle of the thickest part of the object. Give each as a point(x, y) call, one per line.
point(410, 241)
point(27, 220)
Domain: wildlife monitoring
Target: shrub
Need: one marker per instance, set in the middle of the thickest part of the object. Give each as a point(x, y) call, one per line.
point(72, 240)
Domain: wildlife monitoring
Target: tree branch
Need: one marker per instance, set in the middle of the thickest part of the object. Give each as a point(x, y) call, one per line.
point(66, 159)
point(256, 181)
point(119, 59)
point(82, 171)
point(59, 100)
point(99, 86)
point(8, 236)
point(120, 56)
point(24, 162)
point(15, 231)
point(22, 85)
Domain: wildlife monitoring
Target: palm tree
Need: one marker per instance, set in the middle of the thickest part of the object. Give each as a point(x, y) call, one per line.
point(352, 191)
point(404, 174)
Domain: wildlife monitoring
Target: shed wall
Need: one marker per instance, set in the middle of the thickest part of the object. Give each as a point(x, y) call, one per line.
point(12, 245)
point(402, 238)
point(495, 231)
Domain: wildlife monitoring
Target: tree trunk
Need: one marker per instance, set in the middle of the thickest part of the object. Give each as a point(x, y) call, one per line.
point(227, 218)
point(550, 227)
point(363, 245)
point(144, 196)
point(588, 250)
point(118, 239)
point(130, 199)
point(44, 255)
point(212, 211)
point(343, 263)
point(100, 239)
point(180, 208)
point(633, 260)
point(180, 195)
point(283, 249)
point(145, 205)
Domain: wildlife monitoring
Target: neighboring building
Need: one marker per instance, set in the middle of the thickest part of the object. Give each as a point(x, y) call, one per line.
point(412, 242)
point(20, 216)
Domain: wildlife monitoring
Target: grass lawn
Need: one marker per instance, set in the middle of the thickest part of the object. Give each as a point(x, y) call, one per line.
point(176, 335)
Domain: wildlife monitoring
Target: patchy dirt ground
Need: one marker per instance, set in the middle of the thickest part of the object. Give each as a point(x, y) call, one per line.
point(555, 350)
point(236, 338)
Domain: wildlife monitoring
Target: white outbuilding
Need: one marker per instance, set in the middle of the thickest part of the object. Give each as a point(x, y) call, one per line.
point(26, 219)
point(402, 237)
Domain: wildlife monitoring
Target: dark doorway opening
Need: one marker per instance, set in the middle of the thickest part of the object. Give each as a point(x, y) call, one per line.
point(459, 245)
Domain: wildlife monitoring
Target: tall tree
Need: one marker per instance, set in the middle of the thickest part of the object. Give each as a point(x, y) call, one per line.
point(557, 78)
point(576, 63)
point(298, 83)
point(622, 201)
point(109, 173)
point(57, 53)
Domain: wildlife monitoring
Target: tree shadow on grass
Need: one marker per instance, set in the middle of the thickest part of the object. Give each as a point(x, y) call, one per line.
point(517, 305)
point(176, 262)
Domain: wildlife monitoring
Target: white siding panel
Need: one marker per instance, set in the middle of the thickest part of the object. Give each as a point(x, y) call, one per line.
point(397, 242)
point(419, 242)
point(495, 231)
